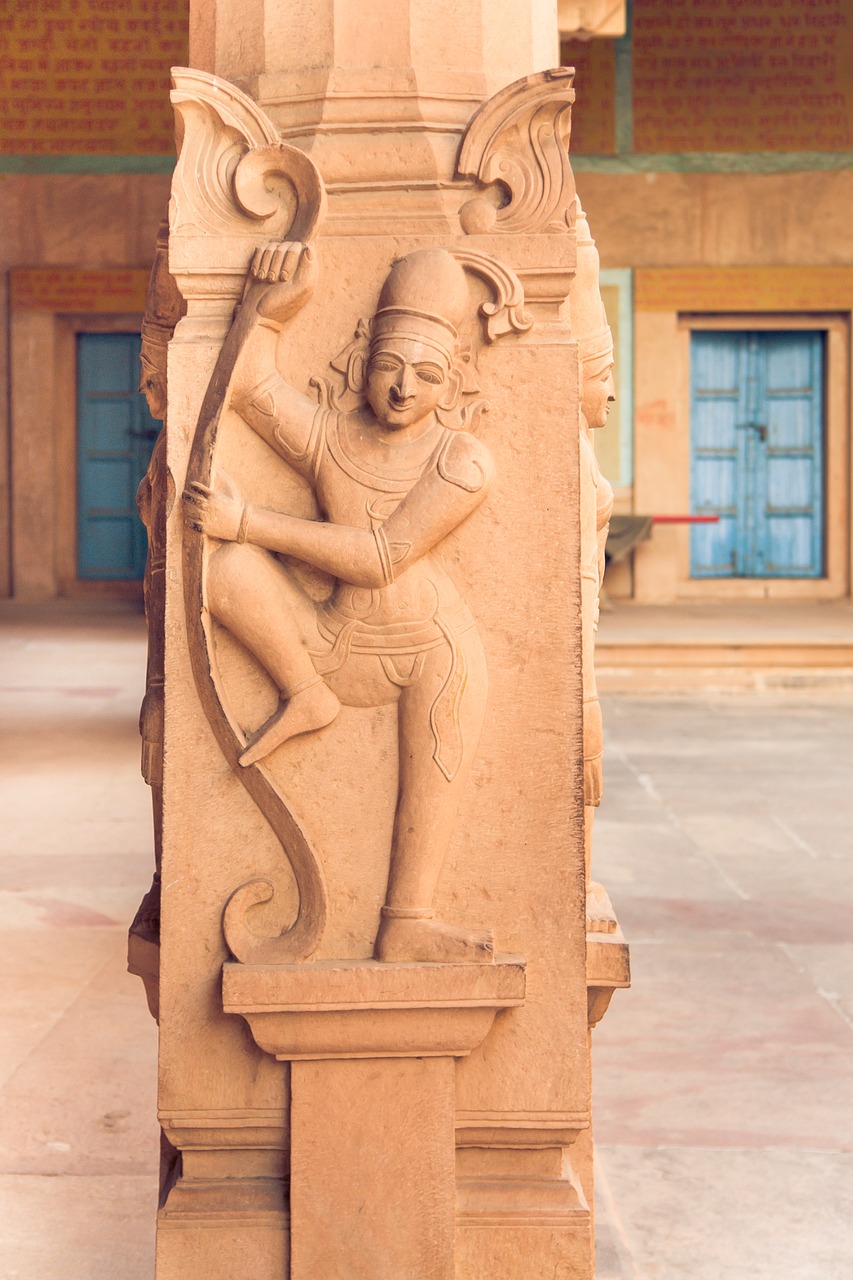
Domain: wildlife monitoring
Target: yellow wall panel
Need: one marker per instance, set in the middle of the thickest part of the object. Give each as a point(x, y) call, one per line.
point(75, 290)
point(709, 289)
point(81, 77)
point(743, 75)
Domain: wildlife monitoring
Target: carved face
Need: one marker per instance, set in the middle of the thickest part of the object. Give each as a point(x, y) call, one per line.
point(155, 396)
point(152, 384)
point(406, 381)
point(599, 393)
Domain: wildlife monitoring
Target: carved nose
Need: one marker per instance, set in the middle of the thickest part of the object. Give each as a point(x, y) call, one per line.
point(405, 384)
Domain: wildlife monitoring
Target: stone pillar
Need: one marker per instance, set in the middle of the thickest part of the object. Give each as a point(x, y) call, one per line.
point(373, 994)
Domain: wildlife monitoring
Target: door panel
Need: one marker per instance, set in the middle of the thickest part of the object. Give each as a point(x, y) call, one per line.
point(115, 435)
point(793, 391)
point(756, 448)
point(717, 406)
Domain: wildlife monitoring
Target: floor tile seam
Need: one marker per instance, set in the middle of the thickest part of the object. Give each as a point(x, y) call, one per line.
point(780, 904)
point(795, 837)
point(624, 1253)
point(644, 780)
point(795, 841)
point(66, 1010)
point(689, 929)
point(828, 997)
point(689, 932)
point(765, 1149)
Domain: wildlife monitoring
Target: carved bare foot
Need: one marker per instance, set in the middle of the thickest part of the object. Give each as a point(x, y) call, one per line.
point(431, 941)
point(310, 709)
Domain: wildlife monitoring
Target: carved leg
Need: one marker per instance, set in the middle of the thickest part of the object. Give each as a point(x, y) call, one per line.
point(253, 595)
point(428, 803)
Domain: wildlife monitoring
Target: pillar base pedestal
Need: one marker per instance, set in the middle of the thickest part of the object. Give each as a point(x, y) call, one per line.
point(372, 1112)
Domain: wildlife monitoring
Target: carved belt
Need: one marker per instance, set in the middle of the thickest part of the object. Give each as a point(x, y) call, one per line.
point(392, 637)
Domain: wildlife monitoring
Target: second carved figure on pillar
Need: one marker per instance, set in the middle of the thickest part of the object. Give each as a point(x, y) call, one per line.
point(597, 395)
point(391, 481)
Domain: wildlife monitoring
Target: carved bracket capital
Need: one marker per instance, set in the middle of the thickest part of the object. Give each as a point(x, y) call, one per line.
point(608, 969)
point(518, 144)
point(234, 183)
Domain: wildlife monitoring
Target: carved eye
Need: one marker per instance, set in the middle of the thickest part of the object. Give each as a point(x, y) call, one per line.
point(383, 366)
point(430, 376)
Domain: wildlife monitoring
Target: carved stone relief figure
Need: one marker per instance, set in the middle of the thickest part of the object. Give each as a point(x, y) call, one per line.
point(392, 476)
point(597, 394)
point(163, 308)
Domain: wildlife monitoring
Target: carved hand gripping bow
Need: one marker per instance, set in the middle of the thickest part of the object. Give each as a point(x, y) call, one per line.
point(300, 940)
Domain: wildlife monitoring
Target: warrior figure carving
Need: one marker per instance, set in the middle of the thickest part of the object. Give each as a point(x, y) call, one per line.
point(163, 309)
point(597, 394)
point(391, 481)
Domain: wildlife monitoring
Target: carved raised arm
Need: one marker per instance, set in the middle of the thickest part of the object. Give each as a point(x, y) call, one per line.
point(280, 281)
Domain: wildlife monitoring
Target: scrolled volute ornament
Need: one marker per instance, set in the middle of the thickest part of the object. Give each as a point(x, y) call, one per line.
point(520, 140)
point(234, 176)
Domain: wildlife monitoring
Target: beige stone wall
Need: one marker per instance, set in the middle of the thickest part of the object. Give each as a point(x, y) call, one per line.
point(64, 221)
point(713, 220)
point(720, 219)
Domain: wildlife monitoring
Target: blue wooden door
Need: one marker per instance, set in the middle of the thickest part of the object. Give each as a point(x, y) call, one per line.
point(757, 454)
point(115, 435)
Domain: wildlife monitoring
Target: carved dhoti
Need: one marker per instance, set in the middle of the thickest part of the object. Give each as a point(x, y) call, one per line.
point(402, 648)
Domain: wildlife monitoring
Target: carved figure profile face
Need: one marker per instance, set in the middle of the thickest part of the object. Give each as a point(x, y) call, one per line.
point(406, 380)
point(152, 384)
point(599, 393)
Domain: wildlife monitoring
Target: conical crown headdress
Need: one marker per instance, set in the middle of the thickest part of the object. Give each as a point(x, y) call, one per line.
point(589, 321)
point(425, 297)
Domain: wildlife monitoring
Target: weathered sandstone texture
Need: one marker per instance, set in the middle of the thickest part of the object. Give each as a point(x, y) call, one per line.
point(383, 529)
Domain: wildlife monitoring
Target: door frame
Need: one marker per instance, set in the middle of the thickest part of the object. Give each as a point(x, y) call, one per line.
point(743, 464)
point(47, 307)
point(66, 478)
point(836, 459)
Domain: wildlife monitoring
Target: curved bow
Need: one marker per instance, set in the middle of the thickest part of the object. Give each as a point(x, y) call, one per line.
point(300, 940)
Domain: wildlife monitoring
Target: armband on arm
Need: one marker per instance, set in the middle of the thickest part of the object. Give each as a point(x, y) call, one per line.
point(288, 421)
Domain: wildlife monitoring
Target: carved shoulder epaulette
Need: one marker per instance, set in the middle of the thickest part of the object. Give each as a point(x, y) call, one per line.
point(465, 462)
